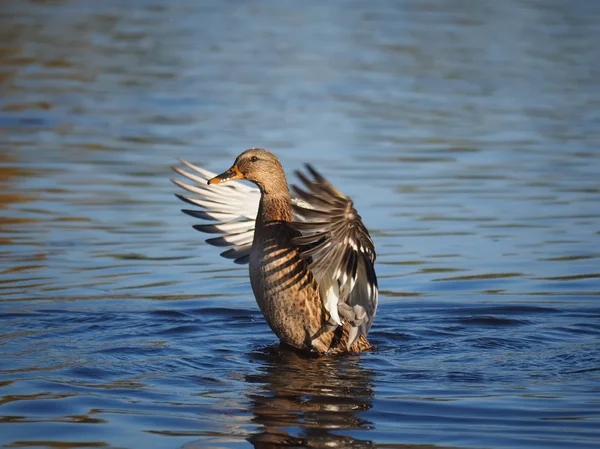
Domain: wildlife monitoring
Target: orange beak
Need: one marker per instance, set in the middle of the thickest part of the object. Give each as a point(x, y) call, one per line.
point(230, 175)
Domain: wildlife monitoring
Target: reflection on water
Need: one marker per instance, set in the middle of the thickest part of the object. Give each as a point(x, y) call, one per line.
point(466, 132)
point(309, 401)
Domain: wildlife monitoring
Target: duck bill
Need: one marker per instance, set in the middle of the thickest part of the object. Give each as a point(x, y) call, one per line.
point(230, 175)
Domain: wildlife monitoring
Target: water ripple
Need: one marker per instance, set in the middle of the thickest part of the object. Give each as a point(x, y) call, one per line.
point(466, 135)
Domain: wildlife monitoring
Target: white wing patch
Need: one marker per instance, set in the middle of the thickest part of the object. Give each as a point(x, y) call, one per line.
point(233, 206)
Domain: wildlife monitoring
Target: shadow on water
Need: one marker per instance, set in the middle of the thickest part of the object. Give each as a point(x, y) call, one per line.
point(301, 401)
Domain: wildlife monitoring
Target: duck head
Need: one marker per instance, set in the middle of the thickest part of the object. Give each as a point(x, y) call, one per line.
point(258, 166)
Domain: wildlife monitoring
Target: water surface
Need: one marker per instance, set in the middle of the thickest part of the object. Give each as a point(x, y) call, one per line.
point(465, 131)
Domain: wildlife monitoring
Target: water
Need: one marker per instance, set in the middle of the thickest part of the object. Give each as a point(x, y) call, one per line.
point(466, 132)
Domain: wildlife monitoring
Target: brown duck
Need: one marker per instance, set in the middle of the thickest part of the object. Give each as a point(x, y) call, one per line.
point(311, 257)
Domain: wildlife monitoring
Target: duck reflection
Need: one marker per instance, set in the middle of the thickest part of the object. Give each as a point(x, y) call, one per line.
point(302, 401)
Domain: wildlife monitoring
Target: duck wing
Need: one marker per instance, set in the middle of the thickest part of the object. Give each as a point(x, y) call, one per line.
point(340, 252)
point(232, 208)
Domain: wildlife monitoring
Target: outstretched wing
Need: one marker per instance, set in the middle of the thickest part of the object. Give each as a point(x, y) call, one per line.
point(233, 206)
point(340, 252)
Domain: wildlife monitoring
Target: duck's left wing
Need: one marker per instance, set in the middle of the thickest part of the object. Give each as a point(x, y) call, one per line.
point(231, 207)
point(340, 251)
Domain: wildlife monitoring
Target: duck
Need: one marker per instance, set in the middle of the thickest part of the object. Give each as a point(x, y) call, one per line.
point(310, 256)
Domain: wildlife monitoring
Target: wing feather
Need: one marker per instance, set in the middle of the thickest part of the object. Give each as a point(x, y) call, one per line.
point(340, 252)
point(232, 208)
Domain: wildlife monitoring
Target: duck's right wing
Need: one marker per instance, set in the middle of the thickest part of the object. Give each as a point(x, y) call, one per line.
point(232, 206)
point(340, 252)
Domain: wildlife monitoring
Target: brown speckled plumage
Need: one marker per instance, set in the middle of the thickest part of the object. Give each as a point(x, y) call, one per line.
point(284, 286)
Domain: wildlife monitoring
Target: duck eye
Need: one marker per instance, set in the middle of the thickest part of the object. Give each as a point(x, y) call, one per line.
point(254, 158)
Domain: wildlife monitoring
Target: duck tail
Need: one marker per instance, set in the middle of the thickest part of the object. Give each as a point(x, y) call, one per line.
point(339, 343)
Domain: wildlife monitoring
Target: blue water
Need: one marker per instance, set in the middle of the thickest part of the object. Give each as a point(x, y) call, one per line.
point(466, 133)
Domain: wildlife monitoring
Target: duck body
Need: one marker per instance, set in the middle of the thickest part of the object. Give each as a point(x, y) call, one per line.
point(308, 306)
point(286, 292)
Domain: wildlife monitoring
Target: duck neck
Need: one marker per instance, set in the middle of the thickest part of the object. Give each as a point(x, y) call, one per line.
point(275, 208)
